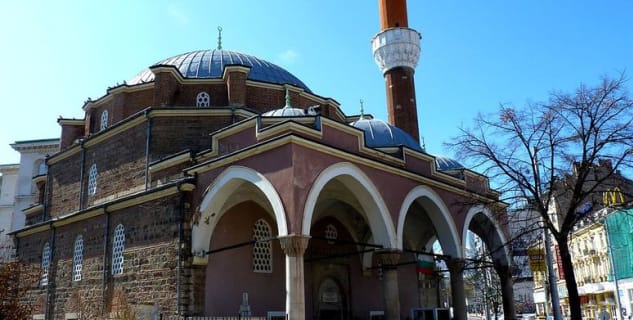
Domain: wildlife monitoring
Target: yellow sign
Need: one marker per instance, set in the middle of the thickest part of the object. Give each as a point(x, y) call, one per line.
point(537, 259)
point(612, 197)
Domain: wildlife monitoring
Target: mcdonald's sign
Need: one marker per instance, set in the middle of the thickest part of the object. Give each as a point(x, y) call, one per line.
point(612, 197)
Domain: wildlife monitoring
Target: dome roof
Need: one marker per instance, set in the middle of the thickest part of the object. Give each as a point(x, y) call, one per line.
point(209, 64)
point(379, 134)
point(285, 112)
point(445, 164)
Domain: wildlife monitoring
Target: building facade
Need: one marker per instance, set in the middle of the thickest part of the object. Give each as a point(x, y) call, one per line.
point(18, 185)
point(215, 183)
point(8, 178)
point(590, 249)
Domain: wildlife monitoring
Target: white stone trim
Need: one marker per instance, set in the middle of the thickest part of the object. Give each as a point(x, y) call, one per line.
point(480, 209)
point(367, 194)
point(396, 47)
point(442, 220)
point(216, 195)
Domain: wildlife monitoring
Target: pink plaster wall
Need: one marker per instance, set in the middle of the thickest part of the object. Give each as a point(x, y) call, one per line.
point(229, 273)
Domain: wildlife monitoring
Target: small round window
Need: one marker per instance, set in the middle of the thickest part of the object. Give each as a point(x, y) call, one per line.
point(92, 180)
point(203, 99)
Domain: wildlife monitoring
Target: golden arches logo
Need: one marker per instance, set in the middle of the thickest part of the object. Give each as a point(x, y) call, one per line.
point(612, 197)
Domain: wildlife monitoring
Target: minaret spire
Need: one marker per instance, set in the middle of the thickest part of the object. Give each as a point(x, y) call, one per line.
point(396, 51)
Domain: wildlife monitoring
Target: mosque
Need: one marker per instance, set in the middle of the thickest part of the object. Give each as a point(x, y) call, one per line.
point(215, 183)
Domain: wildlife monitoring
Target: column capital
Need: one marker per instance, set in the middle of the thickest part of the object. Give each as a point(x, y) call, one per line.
point(388, 257)
point(294, 245)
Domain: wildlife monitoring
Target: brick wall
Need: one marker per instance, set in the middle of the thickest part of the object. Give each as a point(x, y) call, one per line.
point(175, 134)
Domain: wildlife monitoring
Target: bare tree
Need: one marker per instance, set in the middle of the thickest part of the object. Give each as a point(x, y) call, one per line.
point(560, 155)
point(16, 279)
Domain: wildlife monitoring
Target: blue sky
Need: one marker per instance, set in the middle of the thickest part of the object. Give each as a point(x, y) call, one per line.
point(475, 54)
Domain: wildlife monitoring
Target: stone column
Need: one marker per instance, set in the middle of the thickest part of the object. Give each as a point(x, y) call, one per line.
point(389, 259)
point(507, 291)
point(294, 247)
point(458, 294)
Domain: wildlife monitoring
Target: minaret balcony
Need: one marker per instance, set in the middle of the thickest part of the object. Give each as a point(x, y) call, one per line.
point(396, 47)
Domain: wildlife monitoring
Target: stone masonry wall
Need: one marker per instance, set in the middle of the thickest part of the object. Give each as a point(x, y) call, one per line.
point(150, 260)
point(120, 163)
point(174, 134)
point(63, 193)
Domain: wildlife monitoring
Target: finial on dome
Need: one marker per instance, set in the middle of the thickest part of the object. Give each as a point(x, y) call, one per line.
point(362, 111)
point(219, 38)
point(287, 99)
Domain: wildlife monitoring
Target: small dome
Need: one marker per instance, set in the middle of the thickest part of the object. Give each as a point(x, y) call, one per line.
point(379, 134)
point(209, 64)
point(446, 164)
point(285, 112)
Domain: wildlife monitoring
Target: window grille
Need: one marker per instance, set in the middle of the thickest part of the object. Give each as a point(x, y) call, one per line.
point(78, 258)
point(331, 233)
point(262, 251)
point(46, 262)
point(118, 246)
point(104, 120)
point(203, 99)
point(92, 180)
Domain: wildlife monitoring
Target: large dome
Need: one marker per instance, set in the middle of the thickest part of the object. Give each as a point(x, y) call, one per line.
point(207, 64)
point(379, 134)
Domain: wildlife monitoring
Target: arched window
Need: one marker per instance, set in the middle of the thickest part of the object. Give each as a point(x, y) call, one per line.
point(92, 180)
point(118, 246)
point(330, 233)
point(46, 262)
point(104, 120)
point(78, 258)
point(262, 251)
point(203, 99)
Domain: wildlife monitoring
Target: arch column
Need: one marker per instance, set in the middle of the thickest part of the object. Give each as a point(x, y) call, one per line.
point(458, 293)
point(389, 260)
point(294, 247)
point(507, 291)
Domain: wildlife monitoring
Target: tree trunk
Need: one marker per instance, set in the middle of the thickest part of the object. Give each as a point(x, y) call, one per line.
point(570, 279)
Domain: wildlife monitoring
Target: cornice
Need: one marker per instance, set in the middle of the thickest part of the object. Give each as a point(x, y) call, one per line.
point(110, 207)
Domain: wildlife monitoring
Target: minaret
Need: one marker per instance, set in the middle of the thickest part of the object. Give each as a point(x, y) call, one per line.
point(396, 51)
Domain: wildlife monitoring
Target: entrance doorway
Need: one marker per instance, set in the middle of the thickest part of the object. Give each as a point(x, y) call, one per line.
point(331, 301)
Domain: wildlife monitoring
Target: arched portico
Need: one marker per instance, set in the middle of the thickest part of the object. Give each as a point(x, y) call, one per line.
point(423, 216)
point(221, 195)
point(369, 198)
point(483, 222)
point(440, 216)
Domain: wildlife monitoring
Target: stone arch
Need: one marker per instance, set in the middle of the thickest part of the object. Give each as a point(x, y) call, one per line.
point(219, 191)
point(498, 238)
point(373, 205)
point(439, 214)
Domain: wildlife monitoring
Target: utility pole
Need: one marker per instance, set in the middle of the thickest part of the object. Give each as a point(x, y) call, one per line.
point(553, 286)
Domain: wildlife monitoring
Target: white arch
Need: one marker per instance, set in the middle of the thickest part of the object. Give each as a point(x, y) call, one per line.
point(480, 209)
point(368, 196)
point(443, 222)
point(217, 194)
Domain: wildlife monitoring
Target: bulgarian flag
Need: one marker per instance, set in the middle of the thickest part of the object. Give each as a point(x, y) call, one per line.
point(425, 264)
